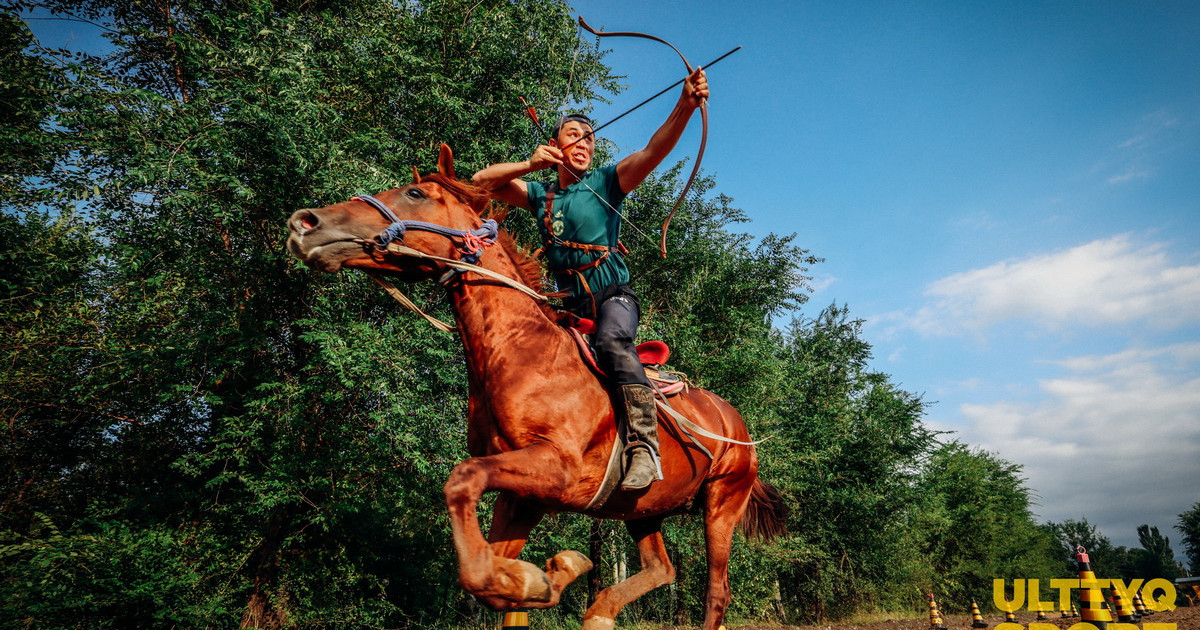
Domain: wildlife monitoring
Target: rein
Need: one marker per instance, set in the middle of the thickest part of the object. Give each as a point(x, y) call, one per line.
point(474, 242)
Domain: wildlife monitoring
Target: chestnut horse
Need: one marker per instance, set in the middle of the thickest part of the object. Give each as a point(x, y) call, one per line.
point(541, 425)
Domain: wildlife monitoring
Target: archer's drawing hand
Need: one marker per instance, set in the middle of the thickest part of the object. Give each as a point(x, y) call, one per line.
point(695, 89)
point(544, 157)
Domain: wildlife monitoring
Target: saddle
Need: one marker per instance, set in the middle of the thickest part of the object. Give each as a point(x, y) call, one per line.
point(652, 354)
point(665, 383)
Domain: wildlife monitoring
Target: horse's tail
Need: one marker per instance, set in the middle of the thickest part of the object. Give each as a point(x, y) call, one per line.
point(766, 515)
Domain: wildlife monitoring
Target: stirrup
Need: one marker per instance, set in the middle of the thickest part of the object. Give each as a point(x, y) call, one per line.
point(628, 454)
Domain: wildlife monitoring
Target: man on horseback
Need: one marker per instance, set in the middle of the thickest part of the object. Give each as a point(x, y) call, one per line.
point(579, 217)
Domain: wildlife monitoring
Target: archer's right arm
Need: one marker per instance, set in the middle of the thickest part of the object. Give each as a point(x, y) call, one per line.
point(503, 181)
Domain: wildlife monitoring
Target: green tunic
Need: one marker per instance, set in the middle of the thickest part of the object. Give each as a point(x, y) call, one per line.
point(580, 217)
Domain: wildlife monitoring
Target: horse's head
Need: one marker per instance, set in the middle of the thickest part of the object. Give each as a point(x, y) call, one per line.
point(344, 234)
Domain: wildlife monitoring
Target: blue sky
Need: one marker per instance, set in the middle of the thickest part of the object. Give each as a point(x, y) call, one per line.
point(1007, 193)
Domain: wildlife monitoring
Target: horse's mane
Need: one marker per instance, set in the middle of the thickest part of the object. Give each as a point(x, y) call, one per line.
point(528, 268)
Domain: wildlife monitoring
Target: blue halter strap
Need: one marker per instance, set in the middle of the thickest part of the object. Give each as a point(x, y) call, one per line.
point(473, 240)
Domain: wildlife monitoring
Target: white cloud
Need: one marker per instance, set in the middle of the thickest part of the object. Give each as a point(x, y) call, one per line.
point(1150, 127)
point(1130, 174)
point(1115, 440)
point(820, 282)
point(1133, 158)
point(1105, 282)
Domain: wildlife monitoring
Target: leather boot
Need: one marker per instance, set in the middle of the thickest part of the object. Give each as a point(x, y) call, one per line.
point(641, 431)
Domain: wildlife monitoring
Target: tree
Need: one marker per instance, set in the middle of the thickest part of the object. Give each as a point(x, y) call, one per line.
point(845, 447)
point(27, 91)
point(1155, 559)
point(229, 410)
point(1189, 527)
point(976, 525)
point(1103, 558)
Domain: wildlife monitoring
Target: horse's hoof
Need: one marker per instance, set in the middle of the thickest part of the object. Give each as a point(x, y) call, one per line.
point(572, 563)
point(537, 583)
point(599, 623)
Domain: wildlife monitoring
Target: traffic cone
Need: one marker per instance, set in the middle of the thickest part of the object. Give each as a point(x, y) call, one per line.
point(1041, 614)
point(1124, 609)
point(1140, 606)
point(1123, 606)
point(1074, 610)
point(976, 618)
point(1009, 617)
point(1091, 600)
point(516, 619)
point(935, 615)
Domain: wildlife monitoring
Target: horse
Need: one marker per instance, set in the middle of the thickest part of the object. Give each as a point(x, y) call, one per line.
point(541, 424)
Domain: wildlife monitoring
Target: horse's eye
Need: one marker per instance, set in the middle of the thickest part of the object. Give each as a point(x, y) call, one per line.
point(415, 193)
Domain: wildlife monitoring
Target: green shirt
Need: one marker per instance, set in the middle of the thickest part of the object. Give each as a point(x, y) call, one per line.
point(580, 217)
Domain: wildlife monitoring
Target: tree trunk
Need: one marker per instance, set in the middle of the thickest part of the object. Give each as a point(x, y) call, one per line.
point(261, 612)
point(677, 588)
point(777, 601)
point(596, 551)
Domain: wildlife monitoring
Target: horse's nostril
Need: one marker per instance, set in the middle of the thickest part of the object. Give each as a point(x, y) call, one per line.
point(308, 221)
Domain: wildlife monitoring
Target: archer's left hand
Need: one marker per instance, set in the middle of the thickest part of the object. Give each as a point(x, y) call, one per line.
point(695, 89)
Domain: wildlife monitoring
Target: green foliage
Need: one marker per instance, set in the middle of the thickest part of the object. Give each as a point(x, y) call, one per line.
point(1189, 527)
point(1155, 559)
point(976, 526)
point(848, 446)
point(1070, 534)
point(28, 87)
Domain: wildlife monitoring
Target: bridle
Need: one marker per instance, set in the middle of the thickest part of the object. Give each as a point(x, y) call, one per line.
point(474, 241)
point(391, 240)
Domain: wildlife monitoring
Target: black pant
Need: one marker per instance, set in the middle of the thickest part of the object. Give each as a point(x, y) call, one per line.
point(616, 313)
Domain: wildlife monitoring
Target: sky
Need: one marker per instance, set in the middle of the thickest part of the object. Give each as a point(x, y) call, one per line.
point(1006, 193)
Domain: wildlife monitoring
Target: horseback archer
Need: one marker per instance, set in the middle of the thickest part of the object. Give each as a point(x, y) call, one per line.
point(578, 213)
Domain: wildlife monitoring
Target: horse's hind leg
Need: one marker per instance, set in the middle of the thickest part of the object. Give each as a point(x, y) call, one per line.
point(500, 582)
point(656, 571)
point(725, 501)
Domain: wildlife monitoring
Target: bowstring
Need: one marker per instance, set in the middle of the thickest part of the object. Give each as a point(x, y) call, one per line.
point(579, 180)
point(610, 207)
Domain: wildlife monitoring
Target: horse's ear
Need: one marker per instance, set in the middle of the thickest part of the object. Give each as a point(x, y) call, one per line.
point(416, 176)
point(446, 161)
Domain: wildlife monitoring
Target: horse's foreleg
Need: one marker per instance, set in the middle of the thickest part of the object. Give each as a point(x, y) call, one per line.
point(504, 583)
point(656, 571)
point(725, 502)
point(512, 520)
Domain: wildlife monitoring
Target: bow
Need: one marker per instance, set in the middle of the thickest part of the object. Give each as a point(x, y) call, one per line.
point(662, 245)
